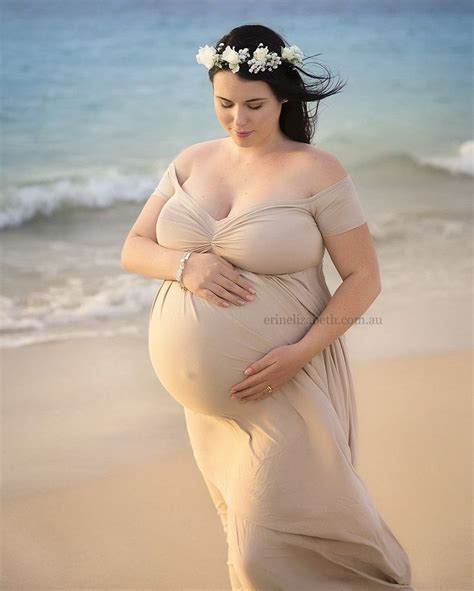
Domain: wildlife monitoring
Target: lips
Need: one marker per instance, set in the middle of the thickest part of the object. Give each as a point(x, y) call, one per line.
point(243, 133)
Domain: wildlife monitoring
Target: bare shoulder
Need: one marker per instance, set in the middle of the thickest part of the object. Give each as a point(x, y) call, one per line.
point(323, 167)
point(191, 155)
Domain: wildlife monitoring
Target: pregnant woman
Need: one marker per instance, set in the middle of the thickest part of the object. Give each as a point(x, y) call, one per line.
point(245, 335)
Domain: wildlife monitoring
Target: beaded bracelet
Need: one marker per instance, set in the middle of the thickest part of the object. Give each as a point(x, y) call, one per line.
point(179, 272)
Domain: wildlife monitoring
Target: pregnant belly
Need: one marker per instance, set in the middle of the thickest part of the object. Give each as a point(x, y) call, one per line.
point(199, 350)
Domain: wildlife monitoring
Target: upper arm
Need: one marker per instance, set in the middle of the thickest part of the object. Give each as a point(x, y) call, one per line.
point(145, 224)
point(353, 251)
point(342, 222)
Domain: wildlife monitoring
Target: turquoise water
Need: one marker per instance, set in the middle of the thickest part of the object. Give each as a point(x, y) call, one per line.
point(98, 97)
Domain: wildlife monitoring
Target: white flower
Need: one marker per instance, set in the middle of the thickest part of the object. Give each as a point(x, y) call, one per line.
point(260, 54)
point(292, 54)
point(232, 57)
point(206, 56)
point(263, 59)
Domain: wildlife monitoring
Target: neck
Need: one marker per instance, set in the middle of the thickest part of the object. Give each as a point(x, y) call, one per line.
point(267, 148)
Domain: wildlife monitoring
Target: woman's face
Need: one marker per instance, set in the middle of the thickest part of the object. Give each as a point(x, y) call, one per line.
point(245, 105)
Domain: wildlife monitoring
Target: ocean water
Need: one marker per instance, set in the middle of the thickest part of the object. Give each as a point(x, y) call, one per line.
point(99, 96)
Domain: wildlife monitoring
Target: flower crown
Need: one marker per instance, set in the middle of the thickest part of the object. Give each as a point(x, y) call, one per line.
point(262, 58)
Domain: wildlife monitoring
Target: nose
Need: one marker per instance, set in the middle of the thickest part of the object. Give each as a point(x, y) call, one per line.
point(240, 121)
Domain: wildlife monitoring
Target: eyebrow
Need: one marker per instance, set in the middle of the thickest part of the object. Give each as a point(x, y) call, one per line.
point(248, 101)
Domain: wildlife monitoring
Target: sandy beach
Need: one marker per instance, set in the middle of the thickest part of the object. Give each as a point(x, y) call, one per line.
point(101, 492)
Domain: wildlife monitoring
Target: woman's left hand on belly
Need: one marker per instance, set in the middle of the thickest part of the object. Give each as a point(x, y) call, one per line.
point(274, 369)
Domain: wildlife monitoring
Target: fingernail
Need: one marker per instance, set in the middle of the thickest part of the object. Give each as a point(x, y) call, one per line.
point(249, 297)
point(251, 290)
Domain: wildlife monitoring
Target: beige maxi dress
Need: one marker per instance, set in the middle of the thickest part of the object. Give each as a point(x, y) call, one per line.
point(281, 471)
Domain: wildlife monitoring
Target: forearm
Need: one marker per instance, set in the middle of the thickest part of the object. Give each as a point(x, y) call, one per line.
point(351, 299)
point(145, 257)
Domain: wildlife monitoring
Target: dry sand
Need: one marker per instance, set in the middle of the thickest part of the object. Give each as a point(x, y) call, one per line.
point(101, 491)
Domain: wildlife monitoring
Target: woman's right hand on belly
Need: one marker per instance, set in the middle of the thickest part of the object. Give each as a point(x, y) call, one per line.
point(214, 279)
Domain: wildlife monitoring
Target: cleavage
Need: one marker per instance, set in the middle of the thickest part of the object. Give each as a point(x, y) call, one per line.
point(211, 204)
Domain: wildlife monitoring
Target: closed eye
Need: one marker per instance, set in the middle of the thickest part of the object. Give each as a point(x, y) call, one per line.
point(253, 108)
